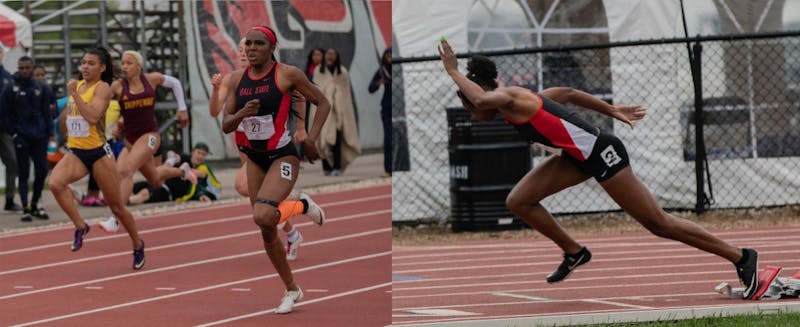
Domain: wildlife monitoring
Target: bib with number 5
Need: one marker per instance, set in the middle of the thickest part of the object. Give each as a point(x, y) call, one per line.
point(258, 127)
point(77, 126)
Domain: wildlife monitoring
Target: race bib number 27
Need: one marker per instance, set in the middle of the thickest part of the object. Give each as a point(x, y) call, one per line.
point(259, 127)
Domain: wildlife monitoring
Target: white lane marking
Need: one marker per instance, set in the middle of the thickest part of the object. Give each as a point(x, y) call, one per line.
point(167, 246)
point(195, 263)
point(618, 304)
point(608, 316)
point(565, 289)
point(329, 297)
point(632, 240)
point(165, 288)
point(179, 226)
point(435, 313)
point(119, 235)
point(685, 258)
point(211, 287)
point(523, 296)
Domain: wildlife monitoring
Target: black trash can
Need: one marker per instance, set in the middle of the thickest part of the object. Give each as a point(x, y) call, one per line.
point(486, 160)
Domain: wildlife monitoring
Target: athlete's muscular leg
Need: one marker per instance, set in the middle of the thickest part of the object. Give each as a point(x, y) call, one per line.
point(108, 180)
point(133, 157)
point(68, 170)
point(274, 186)
point(241, 177)
point(635, 199)
point(553, 175)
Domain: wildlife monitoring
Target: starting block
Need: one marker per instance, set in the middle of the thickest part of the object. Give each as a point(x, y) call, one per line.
point(770, 286)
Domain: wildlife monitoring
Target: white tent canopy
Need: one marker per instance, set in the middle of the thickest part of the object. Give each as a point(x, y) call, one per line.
point(16, 34)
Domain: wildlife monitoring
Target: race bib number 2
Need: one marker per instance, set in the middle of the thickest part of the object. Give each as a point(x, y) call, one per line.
point(77, 127)
point(258, 128)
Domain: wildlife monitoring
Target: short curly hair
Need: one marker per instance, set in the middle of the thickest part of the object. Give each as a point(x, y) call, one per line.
point(482, 71)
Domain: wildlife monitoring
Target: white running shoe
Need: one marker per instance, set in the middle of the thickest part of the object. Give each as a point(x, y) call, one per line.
point(110, 225)
point(314, 211)
point(188, 174)
point(291, 247)
point(172, 158)
point(288, 301)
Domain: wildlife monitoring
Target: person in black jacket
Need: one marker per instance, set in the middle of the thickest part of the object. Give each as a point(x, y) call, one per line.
point(6, 145)
point(384, 77)
point(26, 112)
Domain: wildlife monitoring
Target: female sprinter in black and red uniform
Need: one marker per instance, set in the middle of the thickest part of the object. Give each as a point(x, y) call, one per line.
point(261, 102)
point(585, 152)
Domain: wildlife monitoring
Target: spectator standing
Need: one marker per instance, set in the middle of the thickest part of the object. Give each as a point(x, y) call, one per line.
point(25, 106)
point(7, 154)
point(384, 77)
point(312, 62)
point(338, 142)
point(40, 74)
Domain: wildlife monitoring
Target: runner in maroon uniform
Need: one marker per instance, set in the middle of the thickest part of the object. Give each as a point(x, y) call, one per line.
point(586, 152)
point(261, 102)
point(137, 98)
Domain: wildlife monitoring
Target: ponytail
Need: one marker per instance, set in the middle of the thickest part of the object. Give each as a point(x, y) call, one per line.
point(108, 74)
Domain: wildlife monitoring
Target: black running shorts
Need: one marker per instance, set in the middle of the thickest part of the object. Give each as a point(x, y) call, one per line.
point(608, 157)
point(89, 157)
point(264, 159)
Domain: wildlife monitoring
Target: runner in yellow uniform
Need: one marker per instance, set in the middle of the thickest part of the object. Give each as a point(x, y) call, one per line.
point(88, 150)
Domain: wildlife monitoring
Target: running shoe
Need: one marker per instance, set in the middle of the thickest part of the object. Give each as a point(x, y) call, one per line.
point(571, 261)
point(288, 301)
point(26, 215)
point(11, 206)
point(109, 225)
point(90, 201)
point(188, 174)
point(291, 247)
point(138, 257)
point(314, 211)
point(77, 243)
point(747, 269)
point(38, 212)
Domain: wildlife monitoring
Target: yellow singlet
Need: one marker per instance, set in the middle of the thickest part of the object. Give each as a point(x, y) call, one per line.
point(112, 115)
point(82, 135)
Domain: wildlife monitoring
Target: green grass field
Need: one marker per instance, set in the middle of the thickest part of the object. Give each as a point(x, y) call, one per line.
point(757, 320)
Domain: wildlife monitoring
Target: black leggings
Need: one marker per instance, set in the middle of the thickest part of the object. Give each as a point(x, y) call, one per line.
point(27, 151)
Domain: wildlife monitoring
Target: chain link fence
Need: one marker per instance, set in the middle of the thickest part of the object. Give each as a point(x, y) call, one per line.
point(749, 84)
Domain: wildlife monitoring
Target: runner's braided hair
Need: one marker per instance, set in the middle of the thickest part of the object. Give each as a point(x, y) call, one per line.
point(482, 71)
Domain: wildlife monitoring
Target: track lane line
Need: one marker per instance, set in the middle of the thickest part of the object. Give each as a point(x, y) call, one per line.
point(301, 303)
point(195, 263)
point(185, 243)
point(68, 225)
point(198, 290)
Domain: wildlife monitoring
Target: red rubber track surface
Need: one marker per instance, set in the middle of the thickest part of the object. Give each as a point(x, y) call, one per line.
point(205, 267)
point(629, 273)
